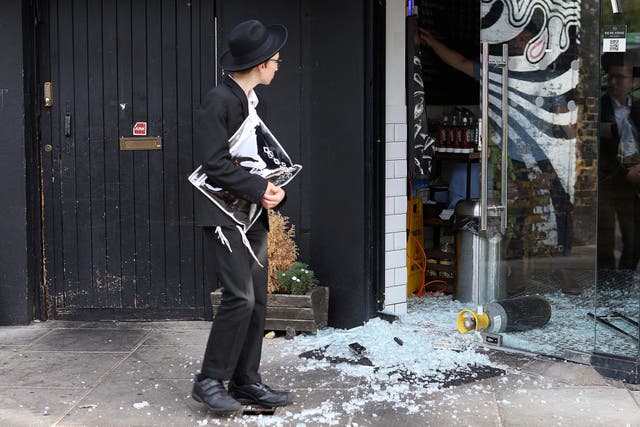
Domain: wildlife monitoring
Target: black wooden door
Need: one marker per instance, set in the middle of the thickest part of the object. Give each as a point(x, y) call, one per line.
point(119, 237)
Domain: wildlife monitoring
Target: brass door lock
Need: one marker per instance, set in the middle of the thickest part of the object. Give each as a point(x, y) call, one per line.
point(48, 94)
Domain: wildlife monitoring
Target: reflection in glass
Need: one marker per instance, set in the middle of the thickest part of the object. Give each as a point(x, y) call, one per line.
point(617, 329)
point(550, 238)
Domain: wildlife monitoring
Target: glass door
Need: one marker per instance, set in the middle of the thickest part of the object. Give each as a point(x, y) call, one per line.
point(538, 202)
point(618, 298)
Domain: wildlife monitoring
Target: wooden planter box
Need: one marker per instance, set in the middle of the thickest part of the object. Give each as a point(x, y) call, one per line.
point(301, 313)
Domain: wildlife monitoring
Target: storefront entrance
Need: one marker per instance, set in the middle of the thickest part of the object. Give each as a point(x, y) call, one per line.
point(523, 169)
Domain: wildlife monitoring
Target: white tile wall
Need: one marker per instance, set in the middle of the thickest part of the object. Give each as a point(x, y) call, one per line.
point(389, 205)
point(399, 240)
point(395, 186)
point(395, 223)
point(400, 168)
point(396, 163)
point(401, 132)
point(390, 169)
point(400, 204)
point(395, 295)
point(400, 276)
point(396, 150)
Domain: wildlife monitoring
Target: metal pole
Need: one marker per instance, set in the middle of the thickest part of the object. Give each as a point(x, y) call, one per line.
point(505, 136)
point(484, 159)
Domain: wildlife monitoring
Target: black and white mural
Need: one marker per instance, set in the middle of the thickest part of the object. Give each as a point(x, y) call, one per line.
point(543, 38)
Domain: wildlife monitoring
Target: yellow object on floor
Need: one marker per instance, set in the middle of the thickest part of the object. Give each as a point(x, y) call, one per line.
point(416, 258)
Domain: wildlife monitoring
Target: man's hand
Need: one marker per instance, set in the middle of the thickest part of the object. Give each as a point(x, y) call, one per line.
point(633, 174)
point(272, 196)
point(426, 37)
point(449, 56)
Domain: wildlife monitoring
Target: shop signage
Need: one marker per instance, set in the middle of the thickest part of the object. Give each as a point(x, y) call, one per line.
point(615, 38)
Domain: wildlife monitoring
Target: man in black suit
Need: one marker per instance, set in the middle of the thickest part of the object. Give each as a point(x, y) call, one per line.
point(619, 163)
point(235, 343)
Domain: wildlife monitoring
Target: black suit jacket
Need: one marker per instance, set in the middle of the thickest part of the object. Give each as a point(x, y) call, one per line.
point(611, 173)
point(224, 109)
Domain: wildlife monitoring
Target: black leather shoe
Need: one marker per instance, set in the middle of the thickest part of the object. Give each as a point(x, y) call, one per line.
point(259, 394)
point(213, 394)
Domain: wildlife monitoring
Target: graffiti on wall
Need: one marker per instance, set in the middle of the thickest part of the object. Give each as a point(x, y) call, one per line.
point(542, 38)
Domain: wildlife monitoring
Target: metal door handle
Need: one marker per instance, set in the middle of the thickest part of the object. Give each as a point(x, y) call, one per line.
point(484, 132)
point(484, 185)
point(505, 137)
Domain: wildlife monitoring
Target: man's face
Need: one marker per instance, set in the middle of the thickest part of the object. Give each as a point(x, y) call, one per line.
point(270, 67)
point(620, 80)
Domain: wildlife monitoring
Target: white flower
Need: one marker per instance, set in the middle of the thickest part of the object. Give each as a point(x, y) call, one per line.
point(294, 278)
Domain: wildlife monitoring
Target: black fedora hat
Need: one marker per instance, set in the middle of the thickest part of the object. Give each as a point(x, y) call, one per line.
point(251, 43)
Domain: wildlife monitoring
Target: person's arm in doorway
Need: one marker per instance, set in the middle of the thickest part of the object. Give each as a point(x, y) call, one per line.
point(449, 56)
point(633, 174)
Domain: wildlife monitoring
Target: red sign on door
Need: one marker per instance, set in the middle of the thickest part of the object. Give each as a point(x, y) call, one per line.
point(140, 128)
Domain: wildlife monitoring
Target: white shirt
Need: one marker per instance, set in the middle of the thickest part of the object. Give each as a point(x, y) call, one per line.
point(252, 98)
point(628, 132)
point(248, 148)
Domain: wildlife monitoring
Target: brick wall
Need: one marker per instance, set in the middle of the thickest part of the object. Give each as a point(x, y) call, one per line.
point(585, 206)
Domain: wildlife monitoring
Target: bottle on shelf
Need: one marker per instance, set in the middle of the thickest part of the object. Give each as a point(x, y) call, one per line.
point(454, 134)
point(443, 135)
point(468, 124)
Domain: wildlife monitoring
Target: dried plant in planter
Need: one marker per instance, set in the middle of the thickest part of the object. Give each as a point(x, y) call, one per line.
point(282, 250)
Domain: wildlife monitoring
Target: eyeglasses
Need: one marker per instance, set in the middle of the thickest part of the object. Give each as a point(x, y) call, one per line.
point(277, 61)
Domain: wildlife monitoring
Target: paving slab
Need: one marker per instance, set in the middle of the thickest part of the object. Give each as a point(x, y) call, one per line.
point(177, 337)
point(309, 408)
point(29, 407)
point(284, 369)
point(7, 353)
point(21, 335)
point(90, 339)
point(515, 380)
point(322, 378)
point(567, 372)
point(468, 404)
point(78, 371)
point(584, 406)
point(136, 403)
point(636, 396)
point(161, 362)
point(171, 325)
point(56, 369)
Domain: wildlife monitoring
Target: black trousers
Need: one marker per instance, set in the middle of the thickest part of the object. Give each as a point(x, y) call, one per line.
point(626, 209)
point(234, 347)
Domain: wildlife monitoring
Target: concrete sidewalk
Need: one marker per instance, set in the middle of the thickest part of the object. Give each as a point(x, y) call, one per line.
point(139, 374)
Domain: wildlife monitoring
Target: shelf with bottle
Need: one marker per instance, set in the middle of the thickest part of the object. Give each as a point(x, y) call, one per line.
point(458, 132)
